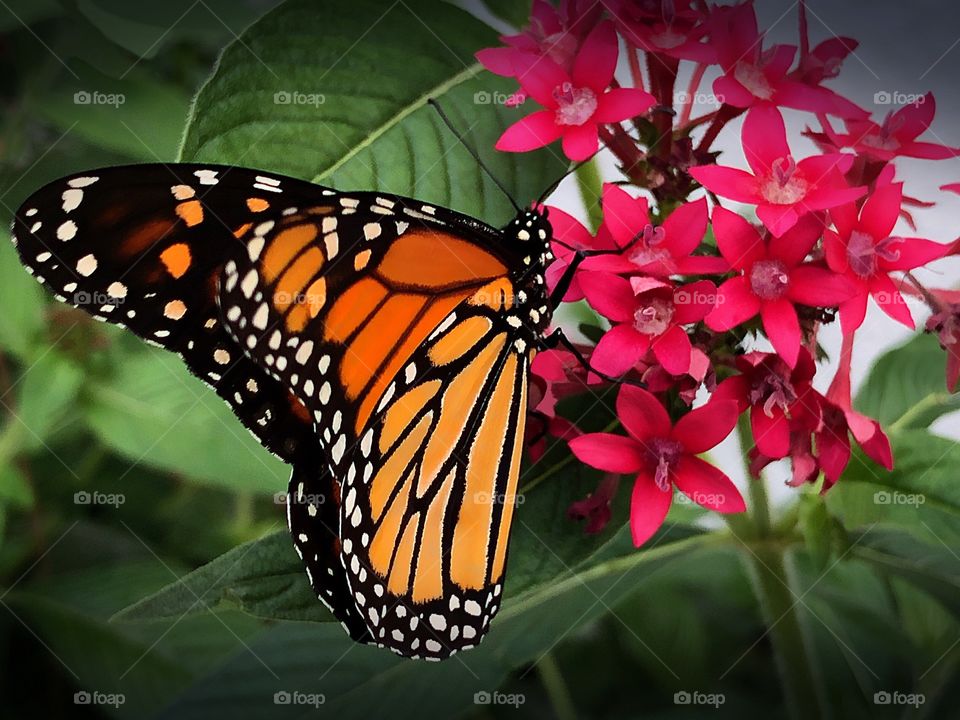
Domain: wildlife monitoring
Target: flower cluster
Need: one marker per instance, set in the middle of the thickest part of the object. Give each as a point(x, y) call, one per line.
point(714, 316)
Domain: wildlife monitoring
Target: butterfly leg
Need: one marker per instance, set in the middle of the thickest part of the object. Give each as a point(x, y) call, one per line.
point(558, 338)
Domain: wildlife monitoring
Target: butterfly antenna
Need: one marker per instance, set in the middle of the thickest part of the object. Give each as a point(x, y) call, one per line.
point(476, 156)
point(566, 173)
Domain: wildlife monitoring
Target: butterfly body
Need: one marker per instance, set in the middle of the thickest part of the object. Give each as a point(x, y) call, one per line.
point(378, 344)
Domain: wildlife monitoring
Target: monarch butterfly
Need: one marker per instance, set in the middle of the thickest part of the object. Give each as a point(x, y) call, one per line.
point(378, 344)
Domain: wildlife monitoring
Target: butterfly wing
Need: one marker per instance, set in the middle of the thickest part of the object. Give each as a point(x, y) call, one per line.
point(143, 246)
point(351, 304)
point(431, 486)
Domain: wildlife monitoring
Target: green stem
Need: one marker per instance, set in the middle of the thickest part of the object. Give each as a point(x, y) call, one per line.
point(591, 191)
point(777, 595)
point(556, 688)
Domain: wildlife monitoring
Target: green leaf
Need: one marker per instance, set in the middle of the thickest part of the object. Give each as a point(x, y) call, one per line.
point(138, 116)
point(515, 12)
point(816, 526)
point(351, 111)
point(362, 682)
point(154, 412)
point(47, 392)
point(14, 488)
point(147, 29)
point(921, 494)
point(906, 386)
point(21, 321)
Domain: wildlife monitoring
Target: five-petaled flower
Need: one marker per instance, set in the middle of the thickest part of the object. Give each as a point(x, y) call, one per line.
point(772, 279)
point(783, 189)
point(576, 102)
point(753, 75)
point(662, 455)
point(862, 249)
point(649, 314)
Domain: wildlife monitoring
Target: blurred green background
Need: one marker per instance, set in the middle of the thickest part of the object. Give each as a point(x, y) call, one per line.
point(144, 565)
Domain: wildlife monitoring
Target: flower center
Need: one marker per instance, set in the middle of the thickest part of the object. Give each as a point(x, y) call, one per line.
point(753, 79)
point(654, 317)
point(784, 186)
point(663, 455)
point(769, 279)
point(863, 251)
point(574, 105)
point(773, 390)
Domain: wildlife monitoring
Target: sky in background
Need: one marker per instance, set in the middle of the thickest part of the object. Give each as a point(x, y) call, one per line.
point(906, 49)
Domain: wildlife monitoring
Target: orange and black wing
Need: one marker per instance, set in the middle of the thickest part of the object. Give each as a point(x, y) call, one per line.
point(398, 335)
point(143, 247)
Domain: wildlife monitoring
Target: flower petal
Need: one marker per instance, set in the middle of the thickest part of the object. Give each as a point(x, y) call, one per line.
point(685, 227)
point(619, 349)
point(764, 138)
point(642, 415)
point(738, 240)
point(736, 304)
point(621, 104)
point(818, 287)
point(693, 302)
point(782, 328)
point(532, 132)
point(770, 432)
point(913, 253)
point(610, 295)
point(606, 451)
point(597, 59)
point(649, 506)
point(707, 426)
point(623, 215)
point(881, 211)
point(539, 76)
point(778, 219)
point(581, 142)
point(728, 182)
point(888, 297)
point(672, 349)
point(707, 485)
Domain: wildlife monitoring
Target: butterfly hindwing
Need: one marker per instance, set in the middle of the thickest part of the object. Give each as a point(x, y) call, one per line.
point(430, 488)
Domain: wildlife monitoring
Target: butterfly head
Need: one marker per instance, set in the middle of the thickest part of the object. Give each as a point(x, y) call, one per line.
point(530, 232)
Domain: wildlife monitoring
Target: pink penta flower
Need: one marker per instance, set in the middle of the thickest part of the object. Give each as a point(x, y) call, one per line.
point(674, 28)
point(553, 32)
point(753, 75)
point(839, 422)
point(660, 250)
point(863, 250)
point(824, 61)
point(773, 278)
point(783, 189)
point(570, 235)
point(945, 323)
point(595, 508)
point(663, 455)
point(648, 314)
point(771, 390)
point(577, 102)
point(895, 137)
